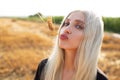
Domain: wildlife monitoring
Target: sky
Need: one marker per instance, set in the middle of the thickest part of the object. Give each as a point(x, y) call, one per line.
point(22, 8)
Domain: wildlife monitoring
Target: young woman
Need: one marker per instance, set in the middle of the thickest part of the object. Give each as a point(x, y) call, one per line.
point(75, 54)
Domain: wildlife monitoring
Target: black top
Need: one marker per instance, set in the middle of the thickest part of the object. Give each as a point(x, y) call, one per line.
point(100, 76)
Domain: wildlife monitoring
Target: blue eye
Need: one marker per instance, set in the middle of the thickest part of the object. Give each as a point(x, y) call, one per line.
point(78, 27)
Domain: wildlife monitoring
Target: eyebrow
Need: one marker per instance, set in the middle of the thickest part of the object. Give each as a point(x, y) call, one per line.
point(67, 20)
point(80, 21)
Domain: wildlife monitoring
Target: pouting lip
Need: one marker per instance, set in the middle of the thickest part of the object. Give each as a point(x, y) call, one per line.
point(63, 37)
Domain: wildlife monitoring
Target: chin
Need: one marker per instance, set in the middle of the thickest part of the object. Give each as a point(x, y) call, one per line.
point(65, 46)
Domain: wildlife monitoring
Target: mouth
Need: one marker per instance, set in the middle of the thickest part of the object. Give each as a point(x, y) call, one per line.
point(63, 37)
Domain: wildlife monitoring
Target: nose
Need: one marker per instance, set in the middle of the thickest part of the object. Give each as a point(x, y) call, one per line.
point(68, 30)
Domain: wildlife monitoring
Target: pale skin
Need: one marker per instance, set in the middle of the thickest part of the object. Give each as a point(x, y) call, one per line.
point(73, 29)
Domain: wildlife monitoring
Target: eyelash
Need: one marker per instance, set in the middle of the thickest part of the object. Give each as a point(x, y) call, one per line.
point(76, 26)
point(66, 24)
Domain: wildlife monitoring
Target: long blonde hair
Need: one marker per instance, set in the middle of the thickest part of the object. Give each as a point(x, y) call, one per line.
point(87, 53)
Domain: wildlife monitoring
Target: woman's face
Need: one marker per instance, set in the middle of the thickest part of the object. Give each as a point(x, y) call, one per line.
point(71, 32)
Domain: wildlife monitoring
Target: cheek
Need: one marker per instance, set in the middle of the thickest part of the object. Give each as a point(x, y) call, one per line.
point(61, 30)
point(77, 39)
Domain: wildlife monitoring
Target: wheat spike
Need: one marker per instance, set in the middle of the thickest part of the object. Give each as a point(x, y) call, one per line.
point(50, 23)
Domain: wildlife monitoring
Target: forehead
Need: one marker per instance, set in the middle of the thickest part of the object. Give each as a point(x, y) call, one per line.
point(76, 16)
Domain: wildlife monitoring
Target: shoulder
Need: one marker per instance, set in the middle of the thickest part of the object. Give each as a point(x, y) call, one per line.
point(101, 75)
point(40, 68)
point(43, 62)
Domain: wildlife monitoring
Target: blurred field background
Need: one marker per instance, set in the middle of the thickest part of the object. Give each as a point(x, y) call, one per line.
point(24, 42)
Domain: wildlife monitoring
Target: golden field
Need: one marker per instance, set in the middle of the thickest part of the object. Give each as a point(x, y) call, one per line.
point(23, 44)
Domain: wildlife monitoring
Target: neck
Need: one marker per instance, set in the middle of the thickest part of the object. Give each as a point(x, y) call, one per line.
point(69, 59)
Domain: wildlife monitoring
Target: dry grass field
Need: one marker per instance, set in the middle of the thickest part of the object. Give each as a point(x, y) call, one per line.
point(23, 44)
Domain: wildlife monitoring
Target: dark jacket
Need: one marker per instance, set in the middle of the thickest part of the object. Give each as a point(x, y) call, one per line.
point(100, 76)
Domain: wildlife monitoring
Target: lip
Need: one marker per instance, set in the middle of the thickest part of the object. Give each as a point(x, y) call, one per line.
point(63, 37)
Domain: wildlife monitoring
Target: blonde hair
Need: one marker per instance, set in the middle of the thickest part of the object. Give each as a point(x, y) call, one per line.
point(87, 53)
